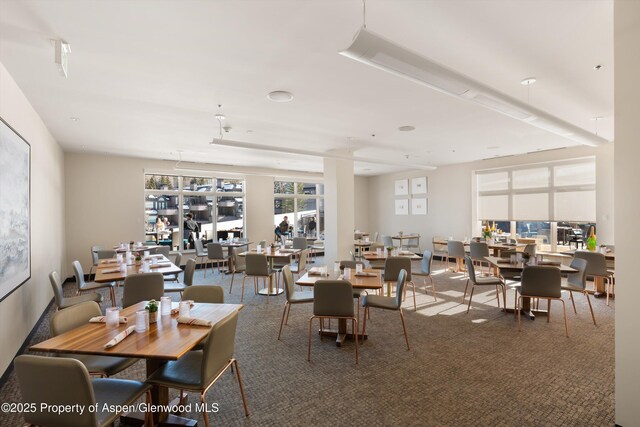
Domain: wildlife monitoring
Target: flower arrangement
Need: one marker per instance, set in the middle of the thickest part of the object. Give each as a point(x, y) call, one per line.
point(138, 258)
point(389, 249)
point(152, 308)
point(591, 240)
point(486, 232)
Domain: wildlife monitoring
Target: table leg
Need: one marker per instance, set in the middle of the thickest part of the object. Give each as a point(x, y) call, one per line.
point(341, 333)
point(598, 283)
point(271, 289)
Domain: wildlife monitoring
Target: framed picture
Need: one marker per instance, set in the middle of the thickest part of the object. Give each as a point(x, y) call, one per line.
point(418, 206)
point(402, 187)
point(15, 207)
point(419, 185)
point(402, 207)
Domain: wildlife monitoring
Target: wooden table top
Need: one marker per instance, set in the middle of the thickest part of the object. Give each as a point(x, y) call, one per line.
point(608, 255)
point(274, 254)
point(362, 243)
point(136, 248)
point(166, 339)
point(234, 244)
point(406, 237)
point(103, 274)
point(373, 256)
point(504, 264)
point(358, 282)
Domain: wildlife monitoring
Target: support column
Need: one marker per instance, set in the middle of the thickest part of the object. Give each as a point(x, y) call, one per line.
point(339, 209)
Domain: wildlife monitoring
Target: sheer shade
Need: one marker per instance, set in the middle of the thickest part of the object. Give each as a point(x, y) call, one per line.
point(494, 207)
point(575, 206)
point(493, 181)
point(531, 207)
point(531, 178)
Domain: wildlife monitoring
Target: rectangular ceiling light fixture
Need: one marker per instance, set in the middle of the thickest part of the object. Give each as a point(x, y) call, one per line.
point(376, 51)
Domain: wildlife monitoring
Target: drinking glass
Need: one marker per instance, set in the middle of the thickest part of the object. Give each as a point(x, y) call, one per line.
point(184, 308)
point(142, 320)
point(358, 268)
point(165, 306)
point(347, 273)
point(336, 267)
point(113, 316)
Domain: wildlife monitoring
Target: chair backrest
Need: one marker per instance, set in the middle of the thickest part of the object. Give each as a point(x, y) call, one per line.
point(393, 265)
point(427, 258)
point(178, 259)
point(387, 241)
point(455, 248)
point(142, 287)
point(541, 281)
point(352, 255)
point(412, 243)
point(479, 250)
point(105, 254)
point(73, 317)
point(530, 249)
point(376, 245)
point(239, 262)
point(219, 348)
point(347, 263)
point(289, 288)
point(470, 268)
point(333, 298)
point(299, 243)
point(164, 250)
point(375, 237)
point(302, 260)
point(402, 281)
point(596, 262)
point(257, 265)
point(94, 253)
point(508, 253)
point(57, 288)
point(579, 278)
point(214, 251)
point(78, 273)
point(204, 293)
point(41, 379)
point(199, 248)
point(189, 270)
point(438, 247)
point(263, 243)
point(357, 236)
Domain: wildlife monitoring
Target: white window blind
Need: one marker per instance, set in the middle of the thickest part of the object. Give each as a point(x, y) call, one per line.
point(575, 206)
point(531, 178)
point(493, 207)
point(531, 207)
point(493, 181)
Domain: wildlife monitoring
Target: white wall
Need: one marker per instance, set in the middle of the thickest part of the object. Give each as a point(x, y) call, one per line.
point(450, 196)
point(361, 199)
point(20, 311)
point(259, 208)
point(627, 178)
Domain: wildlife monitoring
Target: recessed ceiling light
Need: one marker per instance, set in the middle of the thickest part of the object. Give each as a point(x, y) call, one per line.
point(406, 128)
point(493, 147)
point(598, 67)
point(280, 96)
point(220, 116)
point(74, 119)
point(528, 81)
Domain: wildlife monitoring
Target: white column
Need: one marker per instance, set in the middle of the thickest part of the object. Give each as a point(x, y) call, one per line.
point(258, 208)
point(339, 209)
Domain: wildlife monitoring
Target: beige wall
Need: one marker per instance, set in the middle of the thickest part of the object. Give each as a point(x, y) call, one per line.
point(627, 177)
point(20, 310)
point(450, 196)
point(361, 188)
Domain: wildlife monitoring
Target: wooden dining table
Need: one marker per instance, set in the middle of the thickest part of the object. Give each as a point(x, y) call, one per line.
point(273, 254)
point(108, 270)
point(372, 281)
point(230, 246)
point(164, 340)
point(404, 237)
point(373, 257)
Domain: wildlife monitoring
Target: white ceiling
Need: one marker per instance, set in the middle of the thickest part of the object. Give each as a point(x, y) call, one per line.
point(145, 78)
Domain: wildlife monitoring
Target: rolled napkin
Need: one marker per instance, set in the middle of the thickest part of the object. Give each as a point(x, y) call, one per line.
point(315, 271)
point(110, 270)
point(122, 335)
point(109, 261)
point(175, 311)
point(406, 253)
point(186, 320)
point(159, 256)
point(103, 319)
point(286, 251)
point(366, 274)
point(161, 265)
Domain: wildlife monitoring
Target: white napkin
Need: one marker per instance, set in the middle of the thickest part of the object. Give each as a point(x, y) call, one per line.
point(122, 335)
point(177, 310)
point(186, 320)
point(111, 270)
point(109, 261)
point(161, 265)
point(103, 319)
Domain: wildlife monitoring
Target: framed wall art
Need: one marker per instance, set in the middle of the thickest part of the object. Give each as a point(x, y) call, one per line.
point(419, 206)
point(402, 187)
point(419, 185)
point(402, 207)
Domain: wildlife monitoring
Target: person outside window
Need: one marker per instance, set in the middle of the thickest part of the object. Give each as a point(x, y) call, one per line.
point(190, 227)
point(311, 226)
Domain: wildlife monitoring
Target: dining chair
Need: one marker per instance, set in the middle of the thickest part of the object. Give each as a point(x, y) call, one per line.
point(94, 257)
point(215, 253)
point(482, 281)
point(201, 253)
point(210, 294)
point(142, 287)
point(530, 249)
point(597, 267)
point(392, 268)
point(79, 315)
point(53, 381)
point(189, 270)
point(198, 371)
point(478, 252)
point(541, 281)
point(387, 241)
point(175, 276)
point(375, 237)
point(163, 250)
point(91, 286)
point(292, 296)
point(257, 266)
point(300, 266)
point(455, 249)
point(333, 299)
point(387, 303)
point(63, 302)
point(577, 282)
point(300, 243)
point(105, 254)
point(239, 264)
point(425, 270)
point(413, 242)
point(357, 236)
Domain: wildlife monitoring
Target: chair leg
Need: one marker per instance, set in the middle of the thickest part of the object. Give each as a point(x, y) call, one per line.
point(572, 302)
point(590, 308)
point(470, 298)
point(433, 287)
point(519, 315)
point(284, 311)
point(364, 324)
point(414, 296)
point(548, 310)
point(566, 325)
point(244, 276)
point(465, 291)
point(286, 319)
point(309, 349)
point(404, 329)
point(205, 267)
point(231, 286)
point(113, 296)
point(244, 398)
point(354, 330)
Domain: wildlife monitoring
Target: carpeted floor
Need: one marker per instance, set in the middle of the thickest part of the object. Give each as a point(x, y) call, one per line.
point(463, 369)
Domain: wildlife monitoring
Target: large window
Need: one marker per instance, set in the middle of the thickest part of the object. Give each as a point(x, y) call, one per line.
point(303, 205)
point(216, 214)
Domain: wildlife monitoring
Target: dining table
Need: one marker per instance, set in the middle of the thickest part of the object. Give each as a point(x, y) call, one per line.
point(272, 255)
point(403, 237)
point(383, 255)
point(108, 270)
point(163, 341)
point(360, 245)
point(369, 279)
point(230, 245)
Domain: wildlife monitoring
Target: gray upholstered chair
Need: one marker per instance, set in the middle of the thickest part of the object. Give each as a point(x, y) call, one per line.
point(64, 381)
point(76, 316)
point(64, 302)
point(425, 270)
point(239, 264)
point(387, 303)
point(530, 249)
point(91, 286)
point(597, 267)
point(94, 257)
point(210, 294)
point(333, 299)
point(189, 270)
point(105, 254)
point(163, 250)
point(478, 252)
point(357, 236)
point(482, 281)
point(392, 268)
point(263, 244)
point(201, 253)
point(142, 287)
point(387, 241)
point(300, 266)
point(455, 249)
point(257, 266)
point(300, 243)
point(197, 371)
point(577, 282)
point(541, 281)
point(176, 276)
point(215, 253)
point(293, 296)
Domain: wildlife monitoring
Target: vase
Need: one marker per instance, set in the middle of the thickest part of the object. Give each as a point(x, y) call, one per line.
point(153, 317)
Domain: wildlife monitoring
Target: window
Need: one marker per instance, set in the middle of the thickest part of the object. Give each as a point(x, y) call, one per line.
point(303, 205)
point(171, 198)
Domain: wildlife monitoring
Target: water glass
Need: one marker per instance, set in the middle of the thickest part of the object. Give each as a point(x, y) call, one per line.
point(128, 257)
point(142, 320)
point(113, 316)
point(138, 244)
point(184, 308)
point(145, 267)
point(512, 259)
point(324, 271)
point(259, 248)
point(347, 273)
point(358, 268)
point(336, 267)
point(378, 252)
point(154, 261)
point(165, 306)
point(123, 269)
point(366, 240)
point(119, 258)
point(146, 254)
